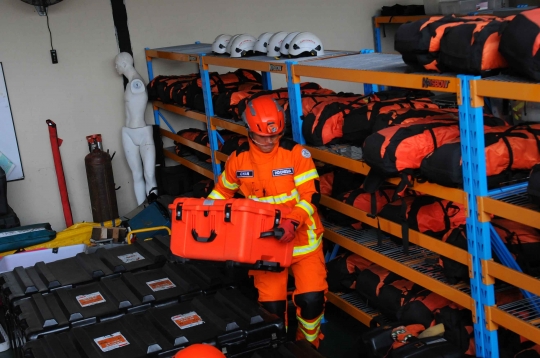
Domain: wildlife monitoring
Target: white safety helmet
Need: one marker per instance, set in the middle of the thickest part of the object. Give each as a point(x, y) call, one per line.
point(228, 49)
point(306, 44)
point(274, 45)
point(220, 43)
point(284, 49)
point(262, 42)
point(243, 45)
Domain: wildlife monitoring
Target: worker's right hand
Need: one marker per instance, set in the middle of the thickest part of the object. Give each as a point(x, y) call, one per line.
point(288, 226)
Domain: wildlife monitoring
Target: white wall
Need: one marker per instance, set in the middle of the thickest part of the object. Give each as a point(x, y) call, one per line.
point(83, 93)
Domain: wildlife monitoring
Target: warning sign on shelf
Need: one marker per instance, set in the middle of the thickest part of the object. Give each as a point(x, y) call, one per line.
point(161, 284)
point(187, 320)
point(111, 342)
point(90, 299)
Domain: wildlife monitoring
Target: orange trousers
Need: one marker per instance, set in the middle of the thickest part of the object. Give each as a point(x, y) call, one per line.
point(310, 278)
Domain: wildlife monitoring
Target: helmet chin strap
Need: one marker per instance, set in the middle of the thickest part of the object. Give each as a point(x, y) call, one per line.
point(260, 144)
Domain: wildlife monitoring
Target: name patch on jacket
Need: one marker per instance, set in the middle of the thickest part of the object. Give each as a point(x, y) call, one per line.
point(282, 172)
point(244, 173)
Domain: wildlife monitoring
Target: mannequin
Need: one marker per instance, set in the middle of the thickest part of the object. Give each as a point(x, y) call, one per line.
point(137, 138)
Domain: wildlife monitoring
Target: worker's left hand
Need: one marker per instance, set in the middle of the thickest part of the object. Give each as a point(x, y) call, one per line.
point(289, 227)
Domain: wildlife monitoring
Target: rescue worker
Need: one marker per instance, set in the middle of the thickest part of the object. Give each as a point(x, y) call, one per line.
point(273, 169)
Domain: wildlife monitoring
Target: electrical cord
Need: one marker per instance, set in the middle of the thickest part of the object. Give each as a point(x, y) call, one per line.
point(50, 33)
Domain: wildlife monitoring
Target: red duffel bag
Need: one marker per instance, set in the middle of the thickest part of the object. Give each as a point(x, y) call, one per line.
point(241, 231)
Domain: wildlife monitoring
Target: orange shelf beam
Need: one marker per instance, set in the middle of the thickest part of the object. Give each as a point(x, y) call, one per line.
point(207, 173)
point(152, 53)
point(521, 91)
point(201, 117)
point(237, 128)
point(511, 212)
point(350, 309)
point(416, 81)
point(201, 148)
point(512, 277)
point(381, 20)
point(278, 67)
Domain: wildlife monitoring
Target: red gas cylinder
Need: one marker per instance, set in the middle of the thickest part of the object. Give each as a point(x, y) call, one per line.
point(100, 181)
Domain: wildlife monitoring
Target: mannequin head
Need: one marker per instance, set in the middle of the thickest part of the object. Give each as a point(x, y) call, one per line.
point(123, 61)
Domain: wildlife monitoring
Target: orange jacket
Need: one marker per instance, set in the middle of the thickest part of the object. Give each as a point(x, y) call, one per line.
point(285, 176)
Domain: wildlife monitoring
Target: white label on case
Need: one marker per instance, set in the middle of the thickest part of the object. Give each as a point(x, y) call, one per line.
point(131, 257)
point(90, 299)
point(161, 284)
point(111, 342)
point(187, 320)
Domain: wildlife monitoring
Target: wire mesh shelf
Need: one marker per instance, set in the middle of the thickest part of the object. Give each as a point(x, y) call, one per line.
point(187, 49)
point(191, 158)
point(507, 78)
point(347, 151)
point(372, 62)
point(527, 309)
point(418, 258)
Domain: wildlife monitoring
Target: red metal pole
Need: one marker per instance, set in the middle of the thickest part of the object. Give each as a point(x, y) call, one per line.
point(55, 146)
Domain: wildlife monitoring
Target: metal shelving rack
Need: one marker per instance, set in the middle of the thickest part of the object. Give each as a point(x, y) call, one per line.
point(389, 70)
point(267, 66)
point(479, 297)
point(510, 202)
point(380, 21)
point(191, 54)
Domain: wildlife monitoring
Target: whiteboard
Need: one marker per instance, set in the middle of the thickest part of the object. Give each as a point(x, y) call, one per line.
point(9, 147)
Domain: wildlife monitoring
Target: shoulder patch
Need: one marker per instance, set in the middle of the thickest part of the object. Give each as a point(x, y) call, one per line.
point(244, 147)
point(286, 143)
point(306, 153)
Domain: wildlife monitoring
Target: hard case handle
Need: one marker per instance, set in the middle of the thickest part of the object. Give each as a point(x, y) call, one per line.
point(197, 238)
point(275, 232)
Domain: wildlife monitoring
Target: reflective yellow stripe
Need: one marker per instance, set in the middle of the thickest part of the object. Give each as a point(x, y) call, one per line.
point(215, 195)
point(278, 199)
point(227, 184)
point(304, 177)
point(311, 337)
point(312, 246)
point(306, 206)
point(308, 325)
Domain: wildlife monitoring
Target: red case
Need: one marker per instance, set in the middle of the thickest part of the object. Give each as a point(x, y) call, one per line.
point(238, 230)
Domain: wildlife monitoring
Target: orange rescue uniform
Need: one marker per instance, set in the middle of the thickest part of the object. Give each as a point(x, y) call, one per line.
point(285, 176)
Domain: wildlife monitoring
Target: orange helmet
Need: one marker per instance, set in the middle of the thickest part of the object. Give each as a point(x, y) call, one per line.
point(264, 116)
point(199, 350)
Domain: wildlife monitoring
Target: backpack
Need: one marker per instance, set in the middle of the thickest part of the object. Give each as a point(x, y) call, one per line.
point(519, 44)
point(473, 48)
point(523, 242)
point(507, 150)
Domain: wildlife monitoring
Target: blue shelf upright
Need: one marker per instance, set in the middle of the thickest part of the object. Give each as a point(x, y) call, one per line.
point(209, 110)
point(471, 121)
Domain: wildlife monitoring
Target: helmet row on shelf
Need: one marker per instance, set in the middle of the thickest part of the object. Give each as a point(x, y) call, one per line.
point(293, 44)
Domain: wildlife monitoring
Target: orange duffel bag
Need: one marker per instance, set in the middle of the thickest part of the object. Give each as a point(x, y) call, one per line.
point(242, 232)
